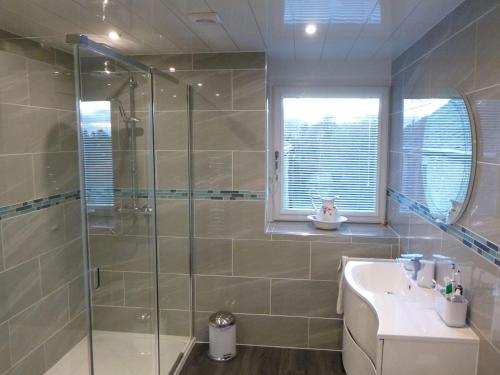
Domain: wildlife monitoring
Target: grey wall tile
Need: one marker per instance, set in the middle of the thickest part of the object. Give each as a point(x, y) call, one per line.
point(183, 61)
point(36, 324)
point(27, 48)
point(240, 60)
point(212, 256)
point(139, 289)
point(77, 301)
point(175, 322)
point(424, 237)
point(120, 253)
point(201, 325)
point(13, 79)
point(489, 358)
point(170, 96)
point(4, 348)
point(16, 185)
point(72, 220)
point(122, 319)
point(325, 257)
point(229, 219)
point(304, 298)
point(174, 291)
point(398, 218)
point(249, 171)
point(229, 130)
point(68, 135)
point(59, 344)
point(212, 170)
point(286, 259)
point(111, 291)
point(211, 89)
point(55, 173)
point(174, 254)
point(172, 217)
point(171, 130)
point(271, 330)
point(487, 55)
point(249, 89)
point(60, 266)
point(172, 169)
point(305, 231)
point(1, 251)
point(19, 288)
point(325, 334)
point(235, 294)
point(33, 364)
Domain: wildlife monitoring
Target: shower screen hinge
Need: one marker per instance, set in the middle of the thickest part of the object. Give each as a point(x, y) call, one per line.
point(96, 278)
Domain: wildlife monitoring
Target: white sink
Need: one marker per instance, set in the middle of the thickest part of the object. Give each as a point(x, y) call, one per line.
point(391, 325)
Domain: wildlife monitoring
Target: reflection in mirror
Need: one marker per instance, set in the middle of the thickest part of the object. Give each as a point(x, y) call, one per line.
point(438, 145)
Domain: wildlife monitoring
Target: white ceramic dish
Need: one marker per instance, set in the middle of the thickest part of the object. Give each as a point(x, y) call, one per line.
point(326, 225)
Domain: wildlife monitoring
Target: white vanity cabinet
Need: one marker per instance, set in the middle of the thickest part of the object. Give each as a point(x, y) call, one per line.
point(391, 328)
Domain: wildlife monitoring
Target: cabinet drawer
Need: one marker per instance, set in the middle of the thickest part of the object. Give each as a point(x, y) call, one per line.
point(355, 361)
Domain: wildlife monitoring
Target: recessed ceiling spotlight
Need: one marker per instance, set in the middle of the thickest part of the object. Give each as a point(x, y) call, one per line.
point(217, 94)
point(199, 84)
point(310, 29)
point(113, 35)
point(171, 69)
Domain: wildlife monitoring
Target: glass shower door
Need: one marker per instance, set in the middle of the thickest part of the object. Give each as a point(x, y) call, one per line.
point(116, 146)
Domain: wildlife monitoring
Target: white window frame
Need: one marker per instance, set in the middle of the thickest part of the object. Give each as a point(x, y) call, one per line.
point(275, 166)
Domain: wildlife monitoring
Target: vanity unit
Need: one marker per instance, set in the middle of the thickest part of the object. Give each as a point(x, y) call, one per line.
point(391, 327)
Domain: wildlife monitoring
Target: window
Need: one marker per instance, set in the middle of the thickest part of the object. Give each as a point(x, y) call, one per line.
point(330, 142)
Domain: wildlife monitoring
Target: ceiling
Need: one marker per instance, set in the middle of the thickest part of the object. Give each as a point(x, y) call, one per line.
point(346, 29)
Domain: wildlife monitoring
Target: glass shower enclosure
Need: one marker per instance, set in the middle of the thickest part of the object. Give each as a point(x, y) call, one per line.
point(136, 217)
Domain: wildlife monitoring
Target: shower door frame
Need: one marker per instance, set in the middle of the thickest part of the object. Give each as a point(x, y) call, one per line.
point(82, 41)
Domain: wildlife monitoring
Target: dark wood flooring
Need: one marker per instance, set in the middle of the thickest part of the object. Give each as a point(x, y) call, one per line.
point(254, 360)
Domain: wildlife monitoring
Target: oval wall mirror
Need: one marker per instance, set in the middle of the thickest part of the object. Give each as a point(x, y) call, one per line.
point(439, 147)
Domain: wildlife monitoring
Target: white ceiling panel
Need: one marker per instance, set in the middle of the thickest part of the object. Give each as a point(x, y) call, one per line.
point(346, 29)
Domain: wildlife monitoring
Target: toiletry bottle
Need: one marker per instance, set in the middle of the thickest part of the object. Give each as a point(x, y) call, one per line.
point(458, 283)
point(450, 283)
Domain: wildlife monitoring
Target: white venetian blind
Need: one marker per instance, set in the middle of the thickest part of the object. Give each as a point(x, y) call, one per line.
point(97, 152)
point(330, 147)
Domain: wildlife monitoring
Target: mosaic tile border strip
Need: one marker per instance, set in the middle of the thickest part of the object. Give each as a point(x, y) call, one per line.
point(38, 204)
point(183, 194)
point(487, 249)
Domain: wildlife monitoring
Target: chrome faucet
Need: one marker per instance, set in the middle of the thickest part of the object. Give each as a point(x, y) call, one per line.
point(415, 262)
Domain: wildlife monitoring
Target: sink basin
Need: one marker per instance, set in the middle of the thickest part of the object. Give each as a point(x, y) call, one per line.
point(390, 324)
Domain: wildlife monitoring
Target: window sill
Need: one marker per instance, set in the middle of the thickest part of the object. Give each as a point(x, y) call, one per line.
point(348, 232)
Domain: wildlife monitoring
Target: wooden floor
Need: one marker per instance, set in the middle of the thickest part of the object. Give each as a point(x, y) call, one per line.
point(254, 360)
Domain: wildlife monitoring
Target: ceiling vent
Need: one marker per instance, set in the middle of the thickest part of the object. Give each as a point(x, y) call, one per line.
point(204, 17)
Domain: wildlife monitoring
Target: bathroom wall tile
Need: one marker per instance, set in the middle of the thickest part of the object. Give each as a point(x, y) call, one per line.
point(305, 231)
point(55, 173)
point(77, 299)
point(72, 220)
point(60, 266)
point(19, 288)
point(487, 55)
point(50, 87)
point(175, 323)
point(395, 170)
point(139, 289)
point(32, 234)
point(4, 348)
point(283, 259)
point(371, 233)
point(398, 218)
point(424, 237)
point(486, 108)
point(212, 170)
point(211, 89)
point(27, 48)
point(171, 96)
point(489, 358)
point(452, 64)
point(171, 130)
point(166, 61)
point(304, 298)
point(135, 224)
point(64, 59)
point(325, 257)
point(122, 172)
point(417, 80)
point(13, 79)
point(271, 330)
point(325, 334)
point(249, 89)
point(37, 323)
point(1, 251)
point(111, 291)
point(229, 219)
point(174, 291)
point(174, 254)
point(249, 171)
point(396, 133)
point(229, 130)
point(33, 364)
point(28, 130)
point(172, 169)
point(200, 328)
point(212, 256)
point(16, 184)
point(234, 294)
point(239, 60)
point(483, 216)
point(59, 344)
point(172, 217)
point(120, 253)
point(122, 319)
